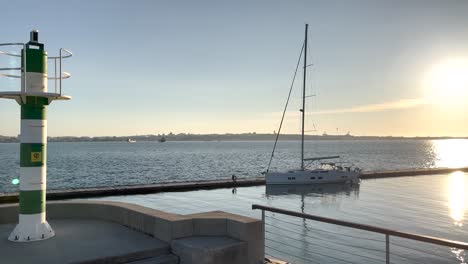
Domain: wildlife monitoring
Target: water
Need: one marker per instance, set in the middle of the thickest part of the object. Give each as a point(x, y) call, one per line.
point(433, 205)
point(428, 205)
point(90, 164)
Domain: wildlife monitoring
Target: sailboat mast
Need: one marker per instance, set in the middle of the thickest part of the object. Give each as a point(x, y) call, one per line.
point(304, 96)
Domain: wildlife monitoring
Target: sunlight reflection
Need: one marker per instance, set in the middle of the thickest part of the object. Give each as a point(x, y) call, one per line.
point(457, 197)
point(450, 153)
point(459, 254)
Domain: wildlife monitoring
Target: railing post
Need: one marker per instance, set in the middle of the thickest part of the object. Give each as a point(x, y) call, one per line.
point(60, 71)
point(387, 247)
point(55, 75)
point(263, 221)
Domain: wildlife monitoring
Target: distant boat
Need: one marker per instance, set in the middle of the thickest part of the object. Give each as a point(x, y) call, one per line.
point(162, 139)
point(129, 140)
point(324, 172)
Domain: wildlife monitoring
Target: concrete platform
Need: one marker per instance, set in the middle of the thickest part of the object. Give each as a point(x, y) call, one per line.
point(83, 240)
point(210, 250)
point(116, 232)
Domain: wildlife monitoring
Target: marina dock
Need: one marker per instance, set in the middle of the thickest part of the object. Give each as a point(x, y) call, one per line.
point(202, 185)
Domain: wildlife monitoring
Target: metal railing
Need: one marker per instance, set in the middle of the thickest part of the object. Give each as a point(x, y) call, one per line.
point(23, 80)
point(63, 75)
point(57, 76)
point(378, 230)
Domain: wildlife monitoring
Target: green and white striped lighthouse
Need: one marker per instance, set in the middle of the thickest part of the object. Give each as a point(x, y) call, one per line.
point(34, 99)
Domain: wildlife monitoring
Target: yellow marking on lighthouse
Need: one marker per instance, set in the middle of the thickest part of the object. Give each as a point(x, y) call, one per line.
point(36, 156)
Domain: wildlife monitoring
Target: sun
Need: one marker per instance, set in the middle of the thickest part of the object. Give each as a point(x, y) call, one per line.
point(447, 82)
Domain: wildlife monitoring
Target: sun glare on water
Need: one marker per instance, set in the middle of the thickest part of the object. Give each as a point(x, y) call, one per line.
point(457, 197)
point(447, 82)
point(450, 153)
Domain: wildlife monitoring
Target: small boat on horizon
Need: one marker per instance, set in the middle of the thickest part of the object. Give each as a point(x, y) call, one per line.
point(323, 172)
point(129, 140)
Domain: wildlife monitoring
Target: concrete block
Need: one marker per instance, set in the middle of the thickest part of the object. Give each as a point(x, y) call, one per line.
point(162, 229)
point(140, 222)
point(113, 213)
point(166, 259)
point(182, 228)
point(210, 250)
point(252, 233)
point(209, 227)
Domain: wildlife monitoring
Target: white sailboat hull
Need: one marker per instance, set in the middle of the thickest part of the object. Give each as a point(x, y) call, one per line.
point(312, 177)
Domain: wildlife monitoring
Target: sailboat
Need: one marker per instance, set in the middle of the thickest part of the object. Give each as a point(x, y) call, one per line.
point(325, 170)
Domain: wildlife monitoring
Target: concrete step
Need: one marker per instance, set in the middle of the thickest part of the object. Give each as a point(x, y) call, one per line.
point(210, 250)
point(83, 241)
point(164, 259)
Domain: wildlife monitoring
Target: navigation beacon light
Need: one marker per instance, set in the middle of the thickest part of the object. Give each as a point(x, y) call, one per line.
point(34, 98)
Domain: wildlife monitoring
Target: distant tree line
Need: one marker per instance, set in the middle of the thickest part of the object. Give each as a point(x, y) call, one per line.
point(216, 137)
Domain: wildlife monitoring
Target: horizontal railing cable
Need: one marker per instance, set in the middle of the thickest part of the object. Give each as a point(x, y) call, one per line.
point(327, 247)
point(421, 238)
point(315, 253)
point(330, 232)
point(353, 246)
point(407, 258)
point(404, 254)
point(416, 249)
point(379, 250)
point(289, 254)
point(351, 236)
point(334, 242)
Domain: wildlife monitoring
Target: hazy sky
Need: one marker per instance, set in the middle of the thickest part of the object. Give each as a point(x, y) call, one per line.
point(149, 67)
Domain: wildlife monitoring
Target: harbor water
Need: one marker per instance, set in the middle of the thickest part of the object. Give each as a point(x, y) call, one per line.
point(91, 164)
point(429, 205)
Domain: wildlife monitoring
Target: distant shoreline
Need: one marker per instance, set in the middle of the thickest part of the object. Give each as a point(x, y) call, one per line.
point(222, 137)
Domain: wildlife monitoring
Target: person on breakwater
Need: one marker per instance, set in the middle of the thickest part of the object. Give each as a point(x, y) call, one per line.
point(234, 178)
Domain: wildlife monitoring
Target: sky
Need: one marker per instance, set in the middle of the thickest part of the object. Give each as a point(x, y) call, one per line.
point(385, 68)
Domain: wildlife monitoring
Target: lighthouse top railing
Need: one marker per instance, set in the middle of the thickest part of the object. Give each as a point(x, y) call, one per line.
point(63, 54)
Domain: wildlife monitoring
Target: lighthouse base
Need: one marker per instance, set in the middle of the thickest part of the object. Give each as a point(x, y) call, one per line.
point(31, 228)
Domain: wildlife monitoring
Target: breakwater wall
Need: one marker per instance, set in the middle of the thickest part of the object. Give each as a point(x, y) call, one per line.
point(412, 172)
point(201, 185)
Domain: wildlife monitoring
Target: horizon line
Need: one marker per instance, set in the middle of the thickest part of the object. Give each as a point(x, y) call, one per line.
point(245, 134)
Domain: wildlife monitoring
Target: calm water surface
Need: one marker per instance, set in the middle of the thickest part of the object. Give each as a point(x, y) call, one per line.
point(89, 164)
point(429, 205)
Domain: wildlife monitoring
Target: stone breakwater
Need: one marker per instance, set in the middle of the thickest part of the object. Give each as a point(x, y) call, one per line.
point(203, 185)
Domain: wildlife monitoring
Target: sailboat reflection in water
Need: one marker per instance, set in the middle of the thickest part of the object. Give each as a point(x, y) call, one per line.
point(329, 189)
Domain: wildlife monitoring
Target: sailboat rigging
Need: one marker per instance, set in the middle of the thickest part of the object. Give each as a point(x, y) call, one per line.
point(325, 172)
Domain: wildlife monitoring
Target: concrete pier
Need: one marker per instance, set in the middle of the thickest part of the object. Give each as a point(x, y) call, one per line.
point(115, 232)
point(103, 242)
point(203, 185)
